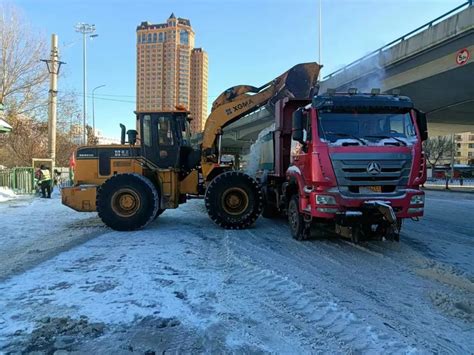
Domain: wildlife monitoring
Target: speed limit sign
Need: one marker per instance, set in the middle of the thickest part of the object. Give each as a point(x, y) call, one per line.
point(462, 56)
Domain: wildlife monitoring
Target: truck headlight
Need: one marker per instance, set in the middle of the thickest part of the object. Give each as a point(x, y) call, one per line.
point(325, 200)
point(417, 200)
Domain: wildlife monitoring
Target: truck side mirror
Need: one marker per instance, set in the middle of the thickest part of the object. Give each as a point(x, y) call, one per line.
point(298, 126)
point(422, 125)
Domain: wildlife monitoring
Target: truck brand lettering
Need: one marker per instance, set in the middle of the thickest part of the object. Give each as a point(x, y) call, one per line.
point(239, 107)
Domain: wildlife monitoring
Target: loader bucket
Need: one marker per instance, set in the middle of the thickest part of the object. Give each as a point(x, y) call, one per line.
point(298, 82)
point(301, 80)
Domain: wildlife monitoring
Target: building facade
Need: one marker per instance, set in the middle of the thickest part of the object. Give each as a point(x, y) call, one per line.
point(165, 62)
point(199, 77)
point(464, 148)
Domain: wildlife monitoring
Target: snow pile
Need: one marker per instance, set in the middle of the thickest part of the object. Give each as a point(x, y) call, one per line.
point(6, 194)
point(253, 159)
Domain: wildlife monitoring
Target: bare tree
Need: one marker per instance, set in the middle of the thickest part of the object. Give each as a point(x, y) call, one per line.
point(28, 141)
point(23, 77)
point(438, 148)
point(24, 92)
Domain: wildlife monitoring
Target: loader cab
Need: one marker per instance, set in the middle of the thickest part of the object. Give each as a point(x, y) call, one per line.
point(165, 138)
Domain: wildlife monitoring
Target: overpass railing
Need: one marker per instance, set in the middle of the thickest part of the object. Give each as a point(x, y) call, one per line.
point(400, 39)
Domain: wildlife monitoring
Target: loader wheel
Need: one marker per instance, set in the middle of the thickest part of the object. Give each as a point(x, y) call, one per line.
point(158, 213)
point(234, 200)
point(127, 202)
point(296, 221)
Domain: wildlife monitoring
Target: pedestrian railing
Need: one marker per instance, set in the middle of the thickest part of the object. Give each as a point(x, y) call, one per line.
point(20, 180)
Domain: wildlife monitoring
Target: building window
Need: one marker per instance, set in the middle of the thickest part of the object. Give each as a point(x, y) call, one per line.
point(139, 38)
point(154, 37)
point(143, 38)
point(149, 38)
point(471, 145)
point(184, 37)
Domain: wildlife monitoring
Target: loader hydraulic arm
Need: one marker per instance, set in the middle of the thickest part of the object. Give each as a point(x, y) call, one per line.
point(238, 101)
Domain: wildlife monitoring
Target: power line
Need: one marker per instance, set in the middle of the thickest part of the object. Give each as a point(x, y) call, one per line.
point(121, 95)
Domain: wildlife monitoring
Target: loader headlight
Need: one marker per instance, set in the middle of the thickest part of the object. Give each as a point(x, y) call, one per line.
point(325, 200)
point(417, 200)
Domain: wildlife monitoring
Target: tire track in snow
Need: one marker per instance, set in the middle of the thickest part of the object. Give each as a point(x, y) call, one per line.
point(400, 318)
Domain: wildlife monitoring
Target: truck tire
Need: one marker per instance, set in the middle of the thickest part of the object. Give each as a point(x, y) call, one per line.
point(127, 202)
point(298, 228)
point(234, 200)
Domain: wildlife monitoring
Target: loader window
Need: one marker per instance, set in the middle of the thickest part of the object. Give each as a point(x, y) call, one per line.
point(165, 131)
point(147, 130)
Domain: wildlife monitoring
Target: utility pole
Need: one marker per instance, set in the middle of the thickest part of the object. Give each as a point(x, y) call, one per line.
point(87, 31)
point(53, 64)
point(453, 152)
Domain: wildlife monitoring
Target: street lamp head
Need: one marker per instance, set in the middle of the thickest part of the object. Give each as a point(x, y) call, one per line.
point(84, 28)
point(97, 87)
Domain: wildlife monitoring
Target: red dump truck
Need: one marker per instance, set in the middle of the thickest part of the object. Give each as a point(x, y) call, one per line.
point(352, 163)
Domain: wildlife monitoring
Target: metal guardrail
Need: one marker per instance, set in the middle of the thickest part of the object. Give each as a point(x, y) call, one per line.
point(400, 39)
point(20, 180)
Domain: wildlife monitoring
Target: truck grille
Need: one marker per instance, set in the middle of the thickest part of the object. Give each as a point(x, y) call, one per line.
point(388, 170)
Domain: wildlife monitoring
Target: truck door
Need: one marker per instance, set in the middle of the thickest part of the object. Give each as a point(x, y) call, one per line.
point(300, 156)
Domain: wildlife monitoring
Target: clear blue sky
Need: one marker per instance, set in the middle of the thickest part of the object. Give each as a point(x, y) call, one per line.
point(248, 41)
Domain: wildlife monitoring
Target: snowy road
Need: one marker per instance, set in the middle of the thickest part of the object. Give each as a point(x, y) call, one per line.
point(184, 284)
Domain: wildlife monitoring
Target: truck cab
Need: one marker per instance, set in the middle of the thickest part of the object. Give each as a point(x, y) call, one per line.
point(356, 162)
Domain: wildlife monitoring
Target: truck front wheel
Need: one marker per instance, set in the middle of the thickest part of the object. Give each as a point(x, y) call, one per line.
point(127, 202)
point(234, 200)
point(298, 227)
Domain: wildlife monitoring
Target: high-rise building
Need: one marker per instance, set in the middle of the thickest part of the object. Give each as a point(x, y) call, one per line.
point(198, 104)
point(166, 60)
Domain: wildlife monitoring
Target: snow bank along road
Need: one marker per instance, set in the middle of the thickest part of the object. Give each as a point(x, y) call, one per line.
point(185, 285)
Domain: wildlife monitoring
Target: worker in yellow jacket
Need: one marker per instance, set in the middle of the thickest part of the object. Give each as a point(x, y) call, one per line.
point(45, 181)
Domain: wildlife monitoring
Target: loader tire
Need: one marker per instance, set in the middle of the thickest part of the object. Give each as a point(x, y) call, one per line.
point(234, 200)
point(158, 213)
point(127, 202)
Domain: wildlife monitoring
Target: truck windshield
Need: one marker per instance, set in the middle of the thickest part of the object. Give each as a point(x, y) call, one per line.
point(365, 128)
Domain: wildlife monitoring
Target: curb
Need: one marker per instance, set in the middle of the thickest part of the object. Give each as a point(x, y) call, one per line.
point(467, 191)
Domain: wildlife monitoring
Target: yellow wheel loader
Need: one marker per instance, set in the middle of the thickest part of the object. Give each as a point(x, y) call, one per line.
point(131, 184)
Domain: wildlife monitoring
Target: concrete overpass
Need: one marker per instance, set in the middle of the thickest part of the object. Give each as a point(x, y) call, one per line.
point(433, 64)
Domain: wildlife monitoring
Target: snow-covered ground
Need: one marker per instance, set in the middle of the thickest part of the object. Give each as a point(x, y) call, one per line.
point(185, 285)
point(6, 194)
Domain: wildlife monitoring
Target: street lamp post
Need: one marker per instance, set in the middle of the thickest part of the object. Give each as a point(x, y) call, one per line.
point(93, 106)
point(87, 31)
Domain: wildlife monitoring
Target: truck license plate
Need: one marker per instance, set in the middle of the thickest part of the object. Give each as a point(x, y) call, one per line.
point(375, 188)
